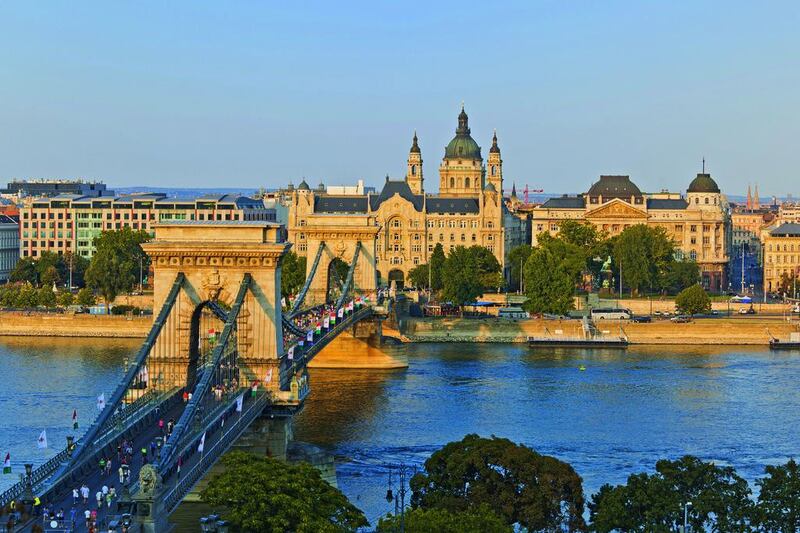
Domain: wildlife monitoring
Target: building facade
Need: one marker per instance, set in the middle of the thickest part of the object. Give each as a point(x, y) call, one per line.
point(69, 223)
point(9, 246)
point(781, 256)
point(49, 188)
point(468, 210)
point(699, 223)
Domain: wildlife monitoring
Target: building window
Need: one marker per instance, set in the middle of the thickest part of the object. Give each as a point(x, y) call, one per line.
point(494, 170)
point(416, 260)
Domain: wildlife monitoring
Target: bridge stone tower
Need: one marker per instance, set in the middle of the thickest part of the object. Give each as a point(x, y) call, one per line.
point(214, 257)
point(340, 236)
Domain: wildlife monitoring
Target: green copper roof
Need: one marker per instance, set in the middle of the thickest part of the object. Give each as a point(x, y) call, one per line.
point(463, 146)
point(703, 183)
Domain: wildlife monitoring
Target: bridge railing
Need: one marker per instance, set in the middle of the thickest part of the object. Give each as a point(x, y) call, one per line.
point(38, 475)
point(175, 493)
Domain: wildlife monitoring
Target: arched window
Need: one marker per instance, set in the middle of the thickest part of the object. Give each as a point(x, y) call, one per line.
point(466, 183)
point(494, 170)
point(452, 182)
point(413, 170)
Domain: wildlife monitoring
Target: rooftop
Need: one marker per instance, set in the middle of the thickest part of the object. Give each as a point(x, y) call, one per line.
point(787, 229)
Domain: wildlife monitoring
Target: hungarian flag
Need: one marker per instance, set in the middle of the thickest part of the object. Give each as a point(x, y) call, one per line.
point(212, 336)
point(74, 419)
point(318, 329)
point(333, 318)
point(7, 464)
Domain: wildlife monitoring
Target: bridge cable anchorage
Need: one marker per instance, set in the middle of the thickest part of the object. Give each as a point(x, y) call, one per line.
point(349, 280)
point(132, 372)
point(298, 301)
point(204, 384)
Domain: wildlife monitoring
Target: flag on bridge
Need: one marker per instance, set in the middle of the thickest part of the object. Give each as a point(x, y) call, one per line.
point(268, 379)
point(202, 443)
point(101, 401)
point(283, 301)
point(74, 419)
point(239, 403)
point(326, 322)
point(42, 442)
point(319, 328)
point(310, 335)
point(291, 353)
point(7, 464)
point(341, 312)
point(333, 318)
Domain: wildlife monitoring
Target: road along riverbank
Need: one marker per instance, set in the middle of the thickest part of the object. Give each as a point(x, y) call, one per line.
point(711, 331)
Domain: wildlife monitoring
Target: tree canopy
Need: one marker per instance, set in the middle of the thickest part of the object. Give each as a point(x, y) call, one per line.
point(551, 272)
point(517, 258)
point(478, 520)
point(418, 276)
point(114, 268)
point(436, 264)
point(644, 255)
point(693, 300)
point(467, 272)
point(519, 485)
point(264, 494)
point(50, 268)
point(654, 502)
point(293, 273)
point(778, 508)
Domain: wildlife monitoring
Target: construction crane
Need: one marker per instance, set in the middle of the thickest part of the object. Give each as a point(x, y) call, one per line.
point(526, 191)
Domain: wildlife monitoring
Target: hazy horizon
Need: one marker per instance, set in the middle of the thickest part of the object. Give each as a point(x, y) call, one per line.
point(200, 95)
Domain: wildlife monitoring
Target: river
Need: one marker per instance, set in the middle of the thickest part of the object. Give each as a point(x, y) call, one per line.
point(627, 409)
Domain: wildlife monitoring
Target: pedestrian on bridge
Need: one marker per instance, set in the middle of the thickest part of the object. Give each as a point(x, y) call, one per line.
point(161, 425)
point(85, 493)
point(99, 498)
point(75, 496)
point(73, 514)
point(88, 515)
point(170, 427)
point(102, 465)
point(144, 455)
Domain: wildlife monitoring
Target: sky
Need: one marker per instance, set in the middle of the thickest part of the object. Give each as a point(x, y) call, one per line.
point(250, 94)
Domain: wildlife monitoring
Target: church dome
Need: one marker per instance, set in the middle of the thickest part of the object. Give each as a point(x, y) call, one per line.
point(703, 183)
point(303, 186)
point(463, 146)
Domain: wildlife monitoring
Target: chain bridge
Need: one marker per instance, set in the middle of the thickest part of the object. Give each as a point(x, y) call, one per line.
point(222, 359)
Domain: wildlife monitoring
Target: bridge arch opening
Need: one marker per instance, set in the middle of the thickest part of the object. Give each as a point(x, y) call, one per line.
point(398, 277)
point(205, 326)
point(337, 275)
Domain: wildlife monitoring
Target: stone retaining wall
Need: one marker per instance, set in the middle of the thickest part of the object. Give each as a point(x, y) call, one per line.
point(78, 325)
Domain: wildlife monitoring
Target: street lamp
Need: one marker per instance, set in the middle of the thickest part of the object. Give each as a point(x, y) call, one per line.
point(400, 499)
point(70, 444)
point(27, 495)
point(686, 516)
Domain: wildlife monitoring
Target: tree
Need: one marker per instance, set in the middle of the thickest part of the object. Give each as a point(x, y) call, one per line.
point(680, 275)
point(488, 267)
point(293, 274)
point(551, 272)
point(654, 503)
point(522, 487)
point(788, 284)
point(114, 268)
point(579, 233)
point(478, 520)
point(25, 271)
point(26, 296)
point(693, 300)
point(644, 254)
point(778, 509)
point(45, 297)
point(418, 276)
point(436, 263)
point(264, 494)
point(462, 278)
point(85, 297)
point(517, 258)
point(65, 299)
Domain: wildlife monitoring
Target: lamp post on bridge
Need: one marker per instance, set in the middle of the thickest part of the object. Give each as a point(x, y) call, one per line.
point(27, 494)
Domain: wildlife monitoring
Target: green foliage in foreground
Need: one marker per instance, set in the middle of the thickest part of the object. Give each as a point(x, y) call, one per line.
point(266, 495)
point(478, 520)
point(519, 485)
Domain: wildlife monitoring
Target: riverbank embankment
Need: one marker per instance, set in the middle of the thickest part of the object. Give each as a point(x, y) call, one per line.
point(713, 331)
point(32, 324)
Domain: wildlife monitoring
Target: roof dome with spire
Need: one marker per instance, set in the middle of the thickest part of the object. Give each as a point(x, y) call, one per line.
point(494, 149)
point(703, 183)
point(463, 146)
point(303, 186)
point(414, 146)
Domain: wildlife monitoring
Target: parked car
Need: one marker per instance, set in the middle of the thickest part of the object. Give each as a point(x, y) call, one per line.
point(644, 319)
point(681, 319)
point(747, 311)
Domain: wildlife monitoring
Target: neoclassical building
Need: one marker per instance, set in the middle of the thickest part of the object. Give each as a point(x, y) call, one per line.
point(468, 209)
point(699, 223)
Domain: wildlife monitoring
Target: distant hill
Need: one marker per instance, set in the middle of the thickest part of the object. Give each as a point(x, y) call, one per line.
point(179, 192)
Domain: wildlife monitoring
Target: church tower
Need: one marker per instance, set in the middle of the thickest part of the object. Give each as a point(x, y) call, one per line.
point(414, 171)
point(461, 171)
point(494, 166)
